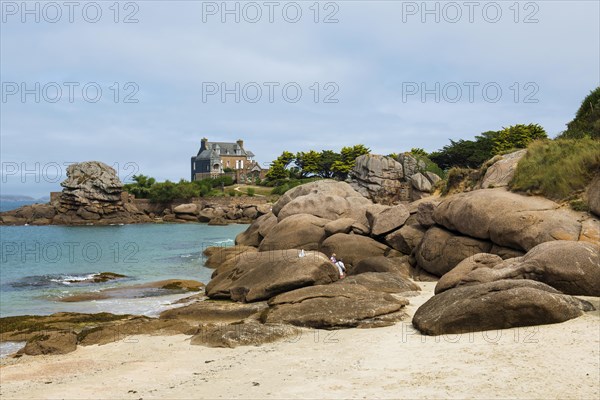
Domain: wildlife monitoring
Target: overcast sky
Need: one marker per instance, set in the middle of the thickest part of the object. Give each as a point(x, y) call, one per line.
point(307, 75)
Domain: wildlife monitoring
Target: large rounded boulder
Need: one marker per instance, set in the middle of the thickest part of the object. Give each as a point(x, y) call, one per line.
point(262, 275)
point(335, 306)
point(496, 305)
point(321, 187)
point(571, 267)
point(300, 231)
point(507, 219)
point(458, 274)
point(441, 250)
point(353, 248)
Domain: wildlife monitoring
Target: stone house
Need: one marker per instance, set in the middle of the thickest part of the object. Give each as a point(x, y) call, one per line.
point(215, 158)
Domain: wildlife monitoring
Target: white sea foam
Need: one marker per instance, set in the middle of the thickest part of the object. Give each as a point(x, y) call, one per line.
point(69, 279)
point(223, 241)
point(8, 348)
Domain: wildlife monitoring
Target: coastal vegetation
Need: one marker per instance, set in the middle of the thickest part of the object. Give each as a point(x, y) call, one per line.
point(557, 169)
point(473, 153)
point(326, 164)
point(144, 187)
point(586, 123)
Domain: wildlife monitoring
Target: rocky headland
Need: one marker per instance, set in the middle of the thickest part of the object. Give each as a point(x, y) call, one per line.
point(93, 195)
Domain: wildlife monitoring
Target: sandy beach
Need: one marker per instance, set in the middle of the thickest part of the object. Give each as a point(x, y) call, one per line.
point(559, 361)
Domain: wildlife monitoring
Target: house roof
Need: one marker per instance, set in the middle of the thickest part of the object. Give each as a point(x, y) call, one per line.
point(223, 149)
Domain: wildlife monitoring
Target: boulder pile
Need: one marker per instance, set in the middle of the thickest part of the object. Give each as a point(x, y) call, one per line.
point(92, 194)
point(214, 213)
point(510, 260)
point(385, 180)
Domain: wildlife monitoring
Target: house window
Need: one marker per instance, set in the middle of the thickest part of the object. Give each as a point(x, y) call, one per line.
point(241, 164)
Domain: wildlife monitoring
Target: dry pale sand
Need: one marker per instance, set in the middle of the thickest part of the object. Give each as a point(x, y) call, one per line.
point(554, 361)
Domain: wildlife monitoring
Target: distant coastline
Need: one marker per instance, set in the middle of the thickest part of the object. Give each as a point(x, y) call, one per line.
point(8, 205)
point(20, 197)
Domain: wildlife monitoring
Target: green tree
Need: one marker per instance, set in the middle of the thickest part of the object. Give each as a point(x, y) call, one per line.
point(185, 190)
point(327, 158)
point(308, 162)
point(587, 119)
point(347, 160)
point(140, 187)
point(461, 153)
point(417, 151)
point(278, 168)
point(517, 137)
point(162, 192)
point(473, 153)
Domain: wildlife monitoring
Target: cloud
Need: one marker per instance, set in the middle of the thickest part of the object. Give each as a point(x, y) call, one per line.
point(364, 62)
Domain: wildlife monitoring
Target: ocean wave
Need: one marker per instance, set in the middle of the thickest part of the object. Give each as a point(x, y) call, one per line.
point(223, 241)
point(54, 280)
point(70, 279)
point(8, 348)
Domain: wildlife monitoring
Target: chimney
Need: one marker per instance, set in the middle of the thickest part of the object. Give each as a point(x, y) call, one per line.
point(240, 143)
point(203, 144)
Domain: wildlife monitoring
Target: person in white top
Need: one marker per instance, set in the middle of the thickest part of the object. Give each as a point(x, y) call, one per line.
point(339, 264)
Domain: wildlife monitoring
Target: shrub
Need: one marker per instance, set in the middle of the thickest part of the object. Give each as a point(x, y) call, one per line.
point(557, 168)
point(579, 205)
point(223, 180)
point(281, 189)
point(430, 166)
point(251, 192)
point(460, 179)
point(231, 192)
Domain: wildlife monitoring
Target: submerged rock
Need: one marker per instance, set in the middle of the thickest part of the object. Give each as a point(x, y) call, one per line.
point(169, 286)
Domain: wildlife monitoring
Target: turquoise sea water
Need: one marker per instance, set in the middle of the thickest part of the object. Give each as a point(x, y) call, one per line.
point(37, 263)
